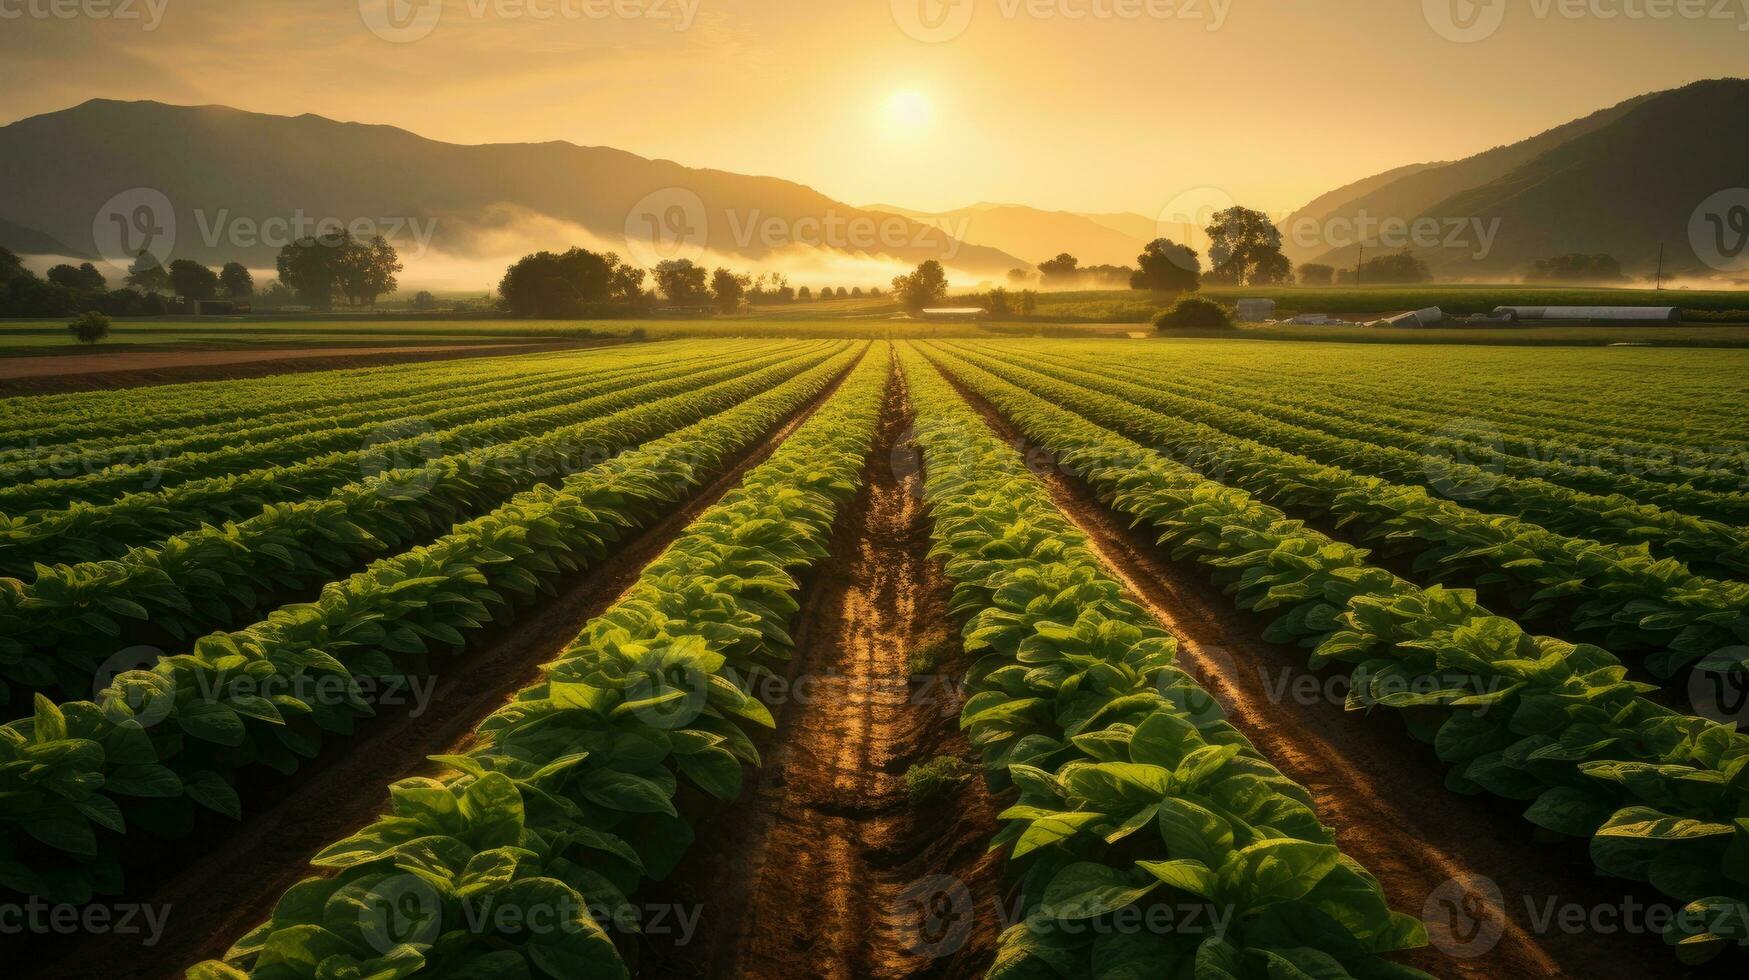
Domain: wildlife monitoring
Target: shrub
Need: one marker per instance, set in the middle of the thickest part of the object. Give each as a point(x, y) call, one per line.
point(1194, 313)
point(89, 328)
point(930, 780)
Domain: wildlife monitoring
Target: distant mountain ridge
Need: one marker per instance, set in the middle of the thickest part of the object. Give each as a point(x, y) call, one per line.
point(1621, 181)
point(1036, 234)
point(230, 170)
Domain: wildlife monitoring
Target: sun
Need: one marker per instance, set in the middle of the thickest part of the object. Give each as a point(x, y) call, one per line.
point(907, 112)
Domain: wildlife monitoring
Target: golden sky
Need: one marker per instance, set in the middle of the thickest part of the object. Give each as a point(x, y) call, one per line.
point(1093, 105)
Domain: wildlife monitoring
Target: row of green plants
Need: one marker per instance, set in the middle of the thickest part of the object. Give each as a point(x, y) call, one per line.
point(166, 459)
point(578, 791)
point(1716, 494)
point(57, 630)
point(1659, 796)
point(326, 466)
point(1704, 545)
point(51, 420)
point(1584, 401)
point(1619, 594)
point(1713, 466)
point(80, 781)
point(96, 532)
point(1137, 801)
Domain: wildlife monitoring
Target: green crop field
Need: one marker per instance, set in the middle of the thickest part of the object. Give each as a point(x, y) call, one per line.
point(1258, 634)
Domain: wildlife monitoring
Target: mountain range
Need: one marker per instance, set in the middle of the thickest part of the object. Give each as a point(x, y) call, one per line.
point(90, 180)
point(225, 174)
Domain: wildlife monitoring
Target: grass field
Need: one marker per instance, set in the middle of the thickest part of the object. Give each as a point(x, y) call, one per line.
point(1059, 621)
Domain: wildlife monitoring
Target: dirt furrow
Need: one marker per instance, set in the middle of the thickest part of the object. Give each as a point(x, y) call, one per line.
point(826, 867)
point(1469, 866)
point(227, 876)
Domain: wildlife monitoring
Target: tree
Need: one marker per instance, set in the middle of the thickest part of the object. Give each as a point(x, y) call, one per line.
point(193, 281)
point(1245, 249)
point(548, 284)
point(235, 281)
point(90, 328)
point(997, 302)
point(1316, 274)
point(1018, 276)
point(729, 289)
point(1196, 313)
point(1395, 269)
point(11, 266)
point(423, 300)
point(856, 293)
point(842, 293)
point(805, 294)
point(1167, 267)
point(84, 278)
point(368, 270)
point(147, 274)
point(1028, 302)
point(312, 267)
point(1062, 269)
point(682, 282)
point(1578, 268)
point(921, 289)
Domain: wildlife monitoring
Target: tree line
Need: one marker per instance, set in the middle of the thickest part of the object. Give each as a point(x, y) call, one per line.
point(314, 272)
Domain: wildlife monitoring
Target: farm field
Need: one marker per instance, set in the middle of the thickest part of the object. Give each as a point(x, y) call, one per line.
point(805, 649)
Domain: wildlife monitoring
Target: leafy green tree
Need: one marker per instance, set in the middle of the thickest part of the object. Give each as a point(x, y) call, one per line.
point(83, 278)
point(549, 284)
point(423, 300)
point(1167, 267)
point(147, 274)
point(11, 266)
point(921, 289)
point(1317, 274)
point(682, 282)
point(730, 289)
point(1245, 249)
point(313, 267)
point(192, 281)
point(1578, 268)
point(89, 328)
point(1061, 270)
point(235, 281)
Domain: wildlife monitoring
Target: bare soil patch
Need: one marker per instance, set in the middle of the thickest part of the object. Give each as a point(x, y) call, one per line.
point(825, 867)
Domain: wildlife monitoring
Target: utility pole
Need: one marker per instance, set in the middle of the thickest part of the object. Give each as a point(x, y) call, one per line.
point(1359, 264)
point(1659, 279)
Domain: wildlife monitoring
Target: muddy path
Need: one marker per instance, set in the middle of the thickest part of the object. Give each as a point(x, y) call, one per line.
point(225, 878)
point(1470, 866)
point(825, 867)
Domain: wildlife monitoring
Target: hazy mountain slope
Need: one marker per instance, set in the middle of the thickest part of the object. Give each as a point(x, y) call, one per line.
point(1412, 191)
point(1137, 227)
point(1032, 233)
point(217, 165)
point(1623, 189)
point(29, 241)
